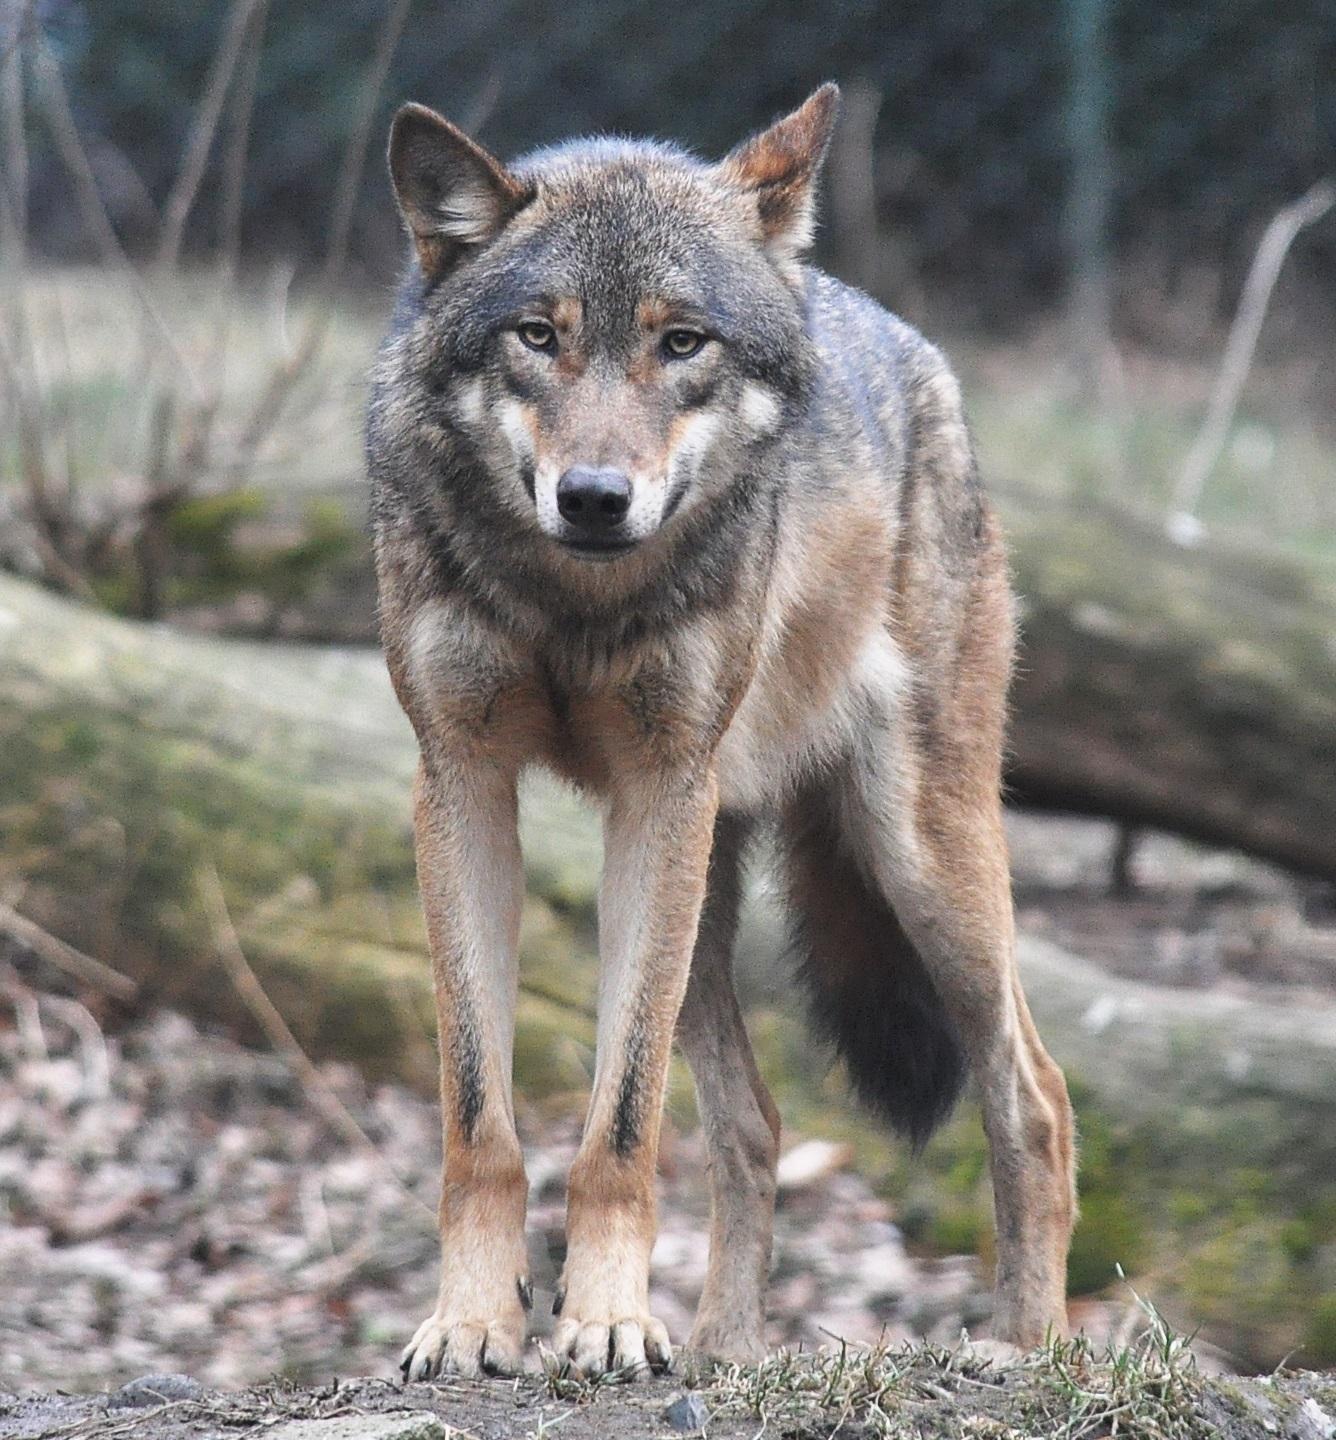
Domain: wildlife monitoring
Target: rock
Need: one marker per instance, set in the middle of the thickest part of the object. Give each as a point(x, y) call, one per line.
point(150, 1390)
point(687, 1413)
point(1313, 1423)
point(409, 1425)
point(810, 1162)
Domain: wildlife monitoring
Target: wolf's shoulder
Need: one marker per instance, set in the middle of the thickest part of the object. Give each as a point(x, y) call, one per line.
point(877, 370)
point(848, 323)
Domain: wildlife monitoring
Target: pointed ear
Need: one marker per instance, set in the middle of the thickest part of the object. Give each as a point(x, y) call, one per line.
point(452, 194)
point(780, 168)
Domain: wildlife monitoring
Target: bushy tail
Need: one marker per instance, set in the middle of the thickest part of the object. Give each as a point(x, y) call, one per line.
point(869, 991)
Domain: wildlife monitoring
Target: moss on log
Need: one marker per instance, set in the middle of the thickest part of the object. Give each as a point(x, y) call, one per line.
point(1191, 689)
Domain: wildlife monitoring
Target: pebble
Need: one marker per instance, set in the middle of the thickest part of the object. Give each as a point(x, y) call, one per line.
point(411, 1425)
point(1313, 1423)
point(809, 1162)
point(687, 1413)
point(150, 1390)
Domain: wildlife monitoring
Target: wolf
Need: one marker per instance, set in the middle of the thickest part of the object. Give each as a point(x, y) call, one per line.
point(663, 508)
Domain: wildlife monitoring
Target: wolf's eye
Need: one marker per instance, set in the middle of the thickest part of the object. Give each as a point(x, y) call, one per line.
point(537, 334)
point(682, 343)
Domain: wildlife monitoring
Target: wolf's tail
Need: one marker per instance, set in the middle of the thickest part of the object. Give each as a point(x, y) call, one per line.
point(869, 991)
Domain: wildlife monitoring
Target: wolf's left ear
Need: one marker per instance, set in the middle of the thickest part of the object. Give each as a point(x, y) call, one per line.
point(780, 166)
point(452, 194)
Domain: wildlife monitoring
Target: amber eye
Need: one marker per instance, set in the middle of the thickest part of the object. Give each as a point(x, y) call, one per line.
point(682, 343)
point(537, 334)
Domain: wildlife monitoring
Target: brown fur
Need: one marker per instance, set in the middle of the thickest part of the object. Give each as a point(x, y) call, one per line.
point(810, 625)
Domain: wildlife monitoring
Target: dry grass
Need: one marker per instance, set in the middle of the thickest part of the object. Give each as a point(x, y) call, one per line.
point(92, 507)
point(80, 317)
point(1271, 485)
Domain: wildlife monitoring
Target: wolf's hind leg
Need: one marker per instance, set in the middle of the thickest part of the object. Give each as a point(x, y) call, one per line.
point(740, 1121)
point(929, 829)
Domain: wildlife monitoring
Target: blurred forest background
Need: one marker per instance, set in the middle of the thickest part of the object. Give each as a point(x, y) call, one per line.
point(1117, 216)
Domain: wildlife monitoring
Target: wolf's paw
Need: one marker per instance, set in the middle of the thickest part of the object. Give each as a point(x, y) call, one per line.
point(633, 1345)
point(447, 1344)
point(719, 1342)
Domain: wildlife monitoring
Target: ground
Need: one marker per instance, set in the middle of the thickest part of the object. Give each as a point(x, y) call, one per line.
point(1149, 1392)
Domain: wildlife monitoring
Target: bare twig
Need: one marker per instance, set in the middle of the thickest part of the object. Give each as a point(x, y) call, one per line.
point(17, 348)
point(233, 193)
point(92, 1042)
point(354, 155)
point(74, 156)
point(1279, 235)
point(235, 152)
point(27, 1013)
point(161, 496)
point(20, 370)
point(56, 569)
point(241, 18)
point(65, 411)
point(288, 372)
point(15, 183)
point(247, 985)
point(25, 26)
point(65, 957)
point(203, 127)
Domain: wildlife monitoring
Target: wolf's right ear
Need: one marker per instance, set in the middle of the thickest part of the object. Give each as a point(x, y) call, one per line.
point(779, 169)
point(452, 194)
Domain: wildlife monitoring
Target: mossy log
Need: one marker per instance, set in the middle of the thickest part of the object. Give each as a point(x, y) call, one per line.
point(135, 758)
point(1190, 689)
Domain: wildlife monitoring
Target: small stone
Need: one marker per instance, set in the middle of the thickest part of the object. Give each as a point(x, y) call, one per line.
point(687, 1413)
point(151, 1390)
point(410, 1425)
point(811, 1161)
point(1313, 1422)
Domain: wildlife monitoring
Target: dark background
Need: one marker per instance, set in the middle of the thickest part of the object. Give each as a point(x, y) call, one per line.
point(1208, 116)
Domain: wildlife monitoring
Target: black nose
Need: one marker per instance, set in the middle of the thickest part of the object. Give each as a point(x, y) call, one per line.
point(593, 499)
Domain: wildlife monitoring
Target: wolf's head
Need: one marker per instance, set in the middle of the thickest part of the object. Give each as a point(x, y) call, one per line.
point(612, 327)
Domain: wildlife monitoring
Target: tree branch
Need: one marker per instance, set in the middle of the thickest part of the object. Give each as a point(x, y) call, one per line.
point(1274, 246)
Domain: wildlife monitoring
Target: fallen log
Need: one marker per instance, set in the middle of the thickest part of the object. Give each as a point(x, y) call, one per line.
point(132, 755)
point(1189, 689)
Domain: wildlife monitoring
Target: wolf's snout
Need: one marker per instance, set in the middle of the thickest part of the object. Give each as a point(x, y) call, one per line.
point(593, 499)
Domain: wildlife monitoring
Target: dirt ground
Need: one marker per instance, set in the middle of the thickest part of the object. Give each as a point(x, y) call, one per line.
point(174, 1204)
point(925, 1394)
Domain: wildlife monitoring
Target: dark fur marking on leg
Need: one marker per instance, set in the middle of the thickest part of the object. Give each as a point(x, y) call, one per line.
point(467, 1058)
point(626, 1118)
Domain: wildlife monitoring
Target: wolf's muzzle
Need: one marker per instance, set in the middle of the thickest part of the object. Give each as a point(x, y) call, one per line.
point(594, 502)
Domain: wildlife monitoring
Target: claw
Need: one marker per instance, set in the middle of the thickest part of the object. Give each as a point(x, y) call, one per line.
point(624, 1348)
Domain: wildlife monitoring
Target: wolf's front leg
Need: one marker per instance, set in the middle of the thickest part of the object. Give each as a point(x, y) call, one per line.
point(472, 885)
point(656, 849)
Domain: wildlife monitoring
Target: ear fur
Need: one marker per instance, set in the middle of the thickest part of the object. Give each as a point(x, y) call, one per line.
point(779, 167)
point(452, 194)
